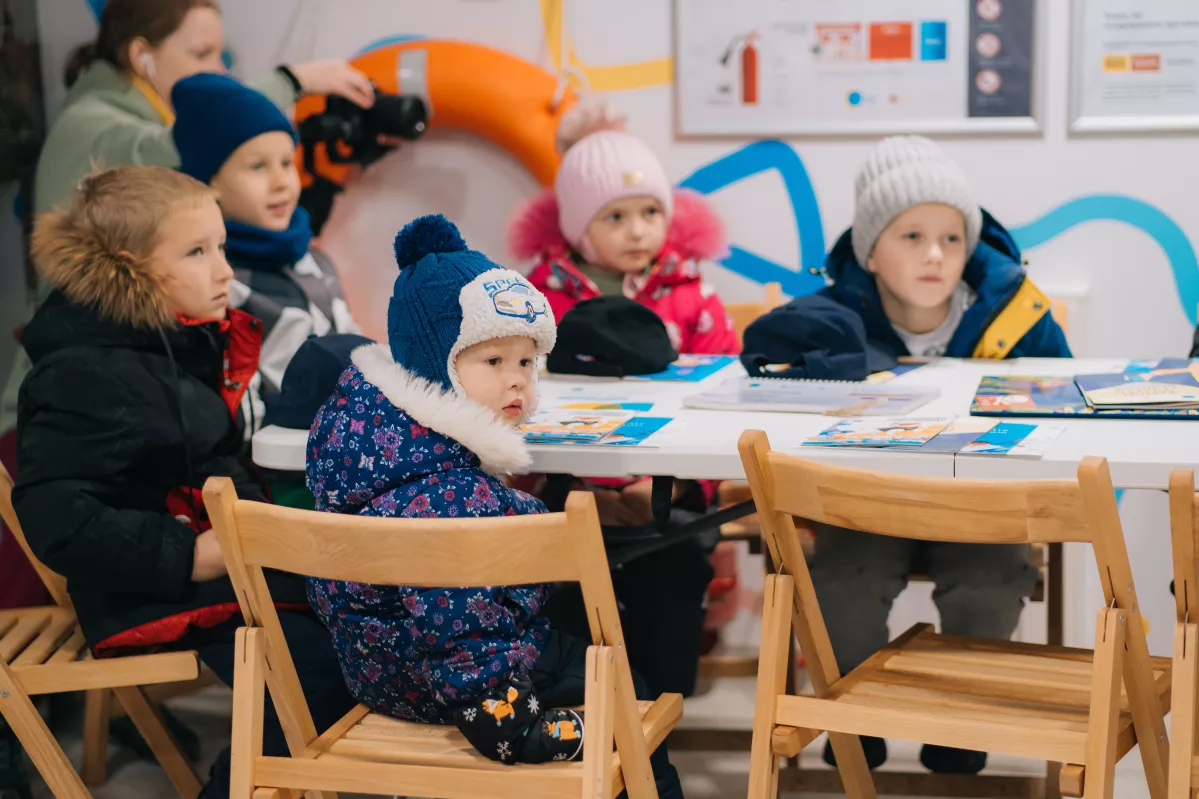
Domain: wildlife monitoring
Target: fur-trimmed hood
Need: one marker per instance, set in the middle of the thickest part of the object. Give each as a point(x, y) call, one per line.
point(407, 428)
point(696, 231)
point(390, 444)
point(89, 272)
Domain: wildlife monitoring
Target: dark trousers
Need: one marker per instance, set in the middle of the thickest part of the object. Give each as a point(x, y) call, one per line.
point(560, 678)
point(980, 588)
point(662, 599)
point(320, 678)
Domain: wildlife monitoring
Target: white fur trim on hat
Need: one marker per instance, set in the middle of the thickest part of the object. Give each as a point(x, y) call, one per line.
point(902, 172)
point(501, 448)
point(497, 304)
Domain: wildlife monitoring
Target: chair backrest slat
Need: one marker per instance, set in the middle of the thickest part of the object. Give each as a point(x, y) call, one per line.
point(55, 583)
point(428, 553)
point(1184, 541)
point(930, 509)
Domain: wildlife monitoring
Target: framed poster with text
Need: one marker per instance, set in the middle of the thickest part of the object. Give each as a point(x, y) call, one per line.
point(870, 67)
point(1134, 66)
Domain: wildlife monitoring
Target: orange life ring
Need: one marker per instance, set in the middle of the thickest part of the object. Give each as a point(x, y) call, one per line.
point(468, 87)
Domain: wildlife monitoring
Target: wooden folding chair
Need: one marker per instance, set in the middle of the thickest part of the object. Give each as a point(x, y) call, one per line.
point(1081, 708)
point(42, 651)
point(365, 752)
point(1184, 539)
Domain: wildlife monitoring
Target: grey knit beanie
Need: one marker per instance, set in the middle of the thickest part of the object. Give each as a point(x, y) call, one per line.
point(901, 172)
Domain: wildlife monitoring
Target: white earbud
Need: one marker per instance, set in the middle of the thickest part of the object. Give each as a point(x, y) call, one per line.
point(147, 62)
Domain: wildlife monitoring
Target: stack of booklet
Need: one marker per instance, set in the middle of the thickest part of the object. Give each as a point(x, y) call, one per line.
point(967, 436)
point(580, 426)
point(1165, 389)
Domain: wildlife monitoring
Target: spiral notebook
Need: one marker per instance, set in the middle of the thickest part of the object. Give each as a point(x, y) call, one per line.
point(831, 397)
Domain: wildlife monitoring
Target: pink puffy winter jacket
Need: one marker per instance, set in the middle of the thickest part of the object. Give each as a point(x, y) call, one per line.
point(674, 289)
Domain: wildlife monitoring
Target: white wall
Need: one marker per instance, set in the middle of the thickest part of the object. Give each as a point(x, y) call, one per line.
point(1129, 303)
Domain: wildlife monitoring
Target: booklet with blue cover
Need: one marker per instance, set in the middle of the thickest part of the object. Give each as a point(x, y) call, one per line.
point(1013, 440)
point(962, 431)
point(900, 433)
point(559, 424)
point(691, 368)
point(633, 433)
point(966, 436)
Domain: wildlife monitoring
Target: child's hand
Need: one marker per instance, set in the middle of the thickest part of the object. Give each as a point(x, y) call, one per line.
point(207, 563)
point(613, 510)
point(639, 499)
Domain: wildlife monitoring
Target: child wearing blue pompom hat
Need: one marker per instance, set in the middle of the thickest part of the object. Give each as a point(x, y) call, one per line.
point(235, 139)
point(424, 426)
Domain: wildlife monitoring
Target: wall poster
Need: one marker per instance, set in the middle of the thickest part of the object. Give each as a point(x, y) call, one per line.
point(827, 67)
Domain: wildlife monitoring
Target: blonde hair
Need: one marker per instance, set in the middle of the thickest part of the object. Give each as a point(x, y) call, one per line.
point(97, 252)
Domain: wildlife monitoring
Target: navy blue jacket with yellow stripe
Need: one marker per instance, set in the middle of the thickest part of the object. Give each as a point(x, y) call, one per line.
point(1009, 319)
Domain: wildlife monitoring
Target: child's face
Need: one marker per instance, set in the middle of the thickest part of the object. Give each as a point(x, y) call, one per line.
point(259, 184)
point(190, 255)
point(920, 256)
point(498, 374)
point(628, 234)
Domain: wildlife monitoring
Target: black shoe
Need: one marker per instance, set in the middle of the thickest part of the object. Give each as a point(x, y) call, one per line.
point(948, 760)
point(875, 749)
point(14, 781)
point(556, 737)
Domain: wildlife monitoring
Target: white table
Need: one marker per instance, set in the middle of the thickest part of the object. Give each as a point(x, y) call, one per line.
point(703, 444)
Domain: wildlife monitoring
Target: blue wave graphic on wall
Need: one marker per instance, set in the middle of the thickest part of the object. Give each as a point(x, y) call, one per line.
point(764, 156)
point(1133, 212)
point(754, 159)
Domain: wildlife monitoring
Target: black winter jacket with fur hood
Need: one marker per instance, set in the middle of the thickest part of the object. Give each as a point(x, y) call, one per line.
point(125, 410)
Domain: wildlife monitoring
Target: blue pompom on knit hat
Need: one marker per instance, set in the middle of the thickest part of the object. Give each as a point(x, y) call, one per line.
point(214, 115)
point(449, 297)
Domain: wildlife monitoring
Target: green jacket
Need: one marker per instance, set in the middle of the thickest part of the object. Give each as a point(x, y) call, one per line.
point(105, 121)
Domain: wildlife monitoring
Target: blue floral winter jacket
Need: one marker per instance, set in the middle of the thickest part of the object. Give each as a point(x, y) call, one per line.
point(389, 443)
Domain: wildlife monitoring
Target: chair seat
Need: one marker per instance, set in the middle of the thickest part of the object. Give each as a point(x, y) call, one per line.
point(366, 737)
point(33, 636)
point(1026, 700)
point(46, 650)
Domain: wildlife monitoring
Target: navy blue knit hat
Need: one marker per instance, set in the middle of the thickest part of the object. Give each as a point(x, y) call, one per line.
point(449, 297)
point(813, 338)
point(214, 115)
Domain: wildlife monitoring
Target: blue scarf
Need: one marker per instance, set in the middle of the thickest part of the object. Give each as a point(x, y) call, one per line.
point(259, 249)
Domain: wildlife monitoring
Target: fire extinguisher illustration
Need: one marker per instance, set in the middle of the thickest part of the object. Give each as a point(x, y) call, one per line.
point(749, 65)
point(749, 70)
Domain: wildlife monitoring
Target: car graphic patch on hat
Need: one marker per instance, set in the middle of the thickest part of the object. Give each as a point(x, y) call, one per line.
point(515, 297)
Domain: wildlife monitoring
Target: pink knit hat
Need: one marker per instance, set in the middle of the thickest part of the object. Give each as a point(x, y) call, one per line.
point(605, 166)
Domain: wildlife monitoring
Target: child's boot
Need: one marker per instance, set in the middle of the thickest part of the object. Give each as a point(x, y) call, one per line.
point(496, 724)
point(557, 737)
